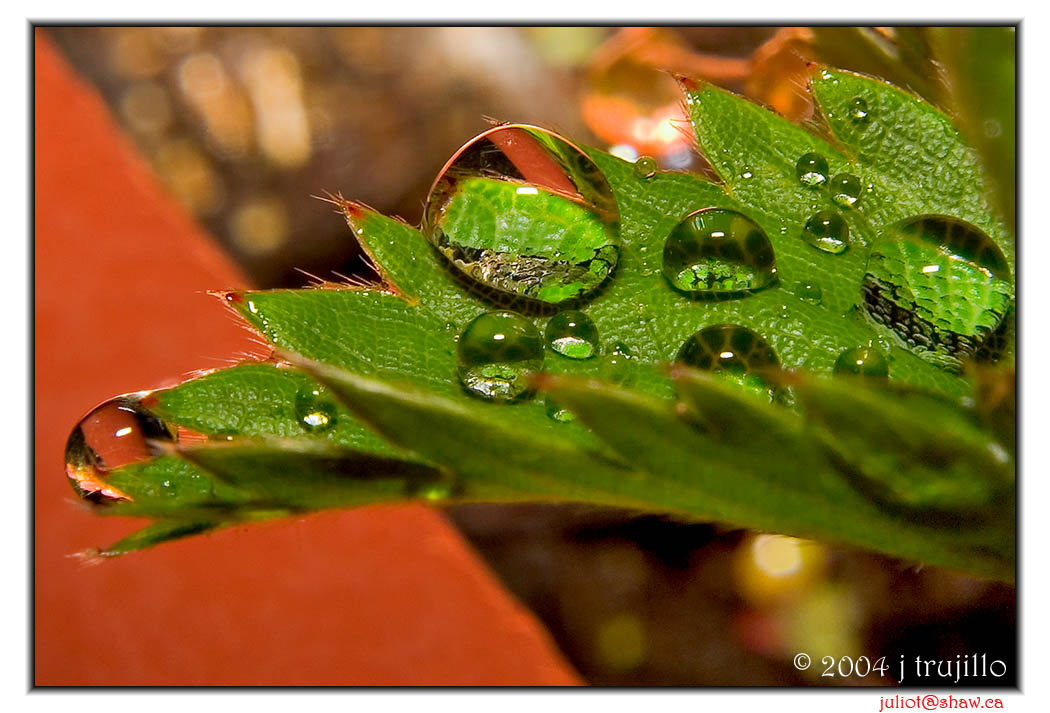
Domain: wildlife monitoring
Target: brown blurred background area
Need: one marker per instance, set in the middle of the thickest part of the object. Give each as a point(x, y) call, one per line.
point(244, 125)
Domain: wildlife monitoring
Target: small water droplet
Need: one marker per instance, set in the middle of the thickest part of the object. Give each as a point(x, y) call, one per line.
point(827, 231)
point(524, 212)
point(809, 292)
point(734, 351)
point(845, 190)
point(720, 253)
point(939, 285)
point(558, 412)
point(858, 109)
point(862, 361)
point(812, 170)
point(434, 491)
point(445, 485)
point(314, 408)
point(572, 334)
point(114, 434)
point(497, 352)
point(616, 364)
point(645, 167)
point(747, 173)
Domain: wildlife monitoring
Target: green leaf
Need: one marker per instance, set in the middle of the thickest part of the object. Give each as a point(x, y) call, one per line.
point(787, 483)
point(483, 444)
point(168, 486)
point(915, 158)
point(910, 449)
point(310, 475)
point(150, 536)
point(261, 400)
point(391, 414)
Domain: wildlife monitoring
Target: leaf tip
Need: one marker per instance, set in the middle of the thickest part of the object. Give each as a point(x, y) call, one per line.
point(687, 83)
point(354, 212)
point(90, 557)
point(231, 297)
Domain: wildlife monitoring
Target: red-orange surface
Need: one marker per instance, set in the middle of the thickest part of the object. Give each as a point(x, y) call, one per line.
point(373, 596)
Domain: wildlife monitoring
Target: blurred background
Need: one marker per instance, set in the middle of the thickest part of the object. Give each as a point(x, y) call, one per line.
point(245, 125)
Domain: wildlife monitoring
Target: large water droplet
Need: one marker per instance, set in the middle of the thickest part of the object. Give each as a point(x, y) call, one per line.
point(858, 109)
point(525, 213)
point(719, 253)
point(827, 231)
point(734, 351)
point(845, 190)
point(940, 285)
point(645, 167)
point(111, 436)
point(573, 334)
point(315, 409)
point(812, 170)
point(497, 352)
point(862, 361)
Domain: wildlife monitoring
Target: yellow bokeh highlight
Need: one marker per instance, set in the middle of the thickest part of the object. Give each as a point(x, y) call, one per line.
point(259, 226)
point(771, 568)
point(622, 642)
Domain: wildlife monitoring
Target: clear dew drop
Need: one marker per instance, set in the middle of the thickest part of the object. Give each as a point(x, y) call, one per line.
point(314, 409)
point(496, 354)
point(827, 232)
point(718, 253)
point(558, 412)
point(616, 364)
point(812, 170)
point(845, 190)
point(523, 212)
point(938, 285)
point(858, 110)
point(736, 352)
point(645, 167)
point(113, 435)
point(863, 361)
point(809, 292)
point(573, 334)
